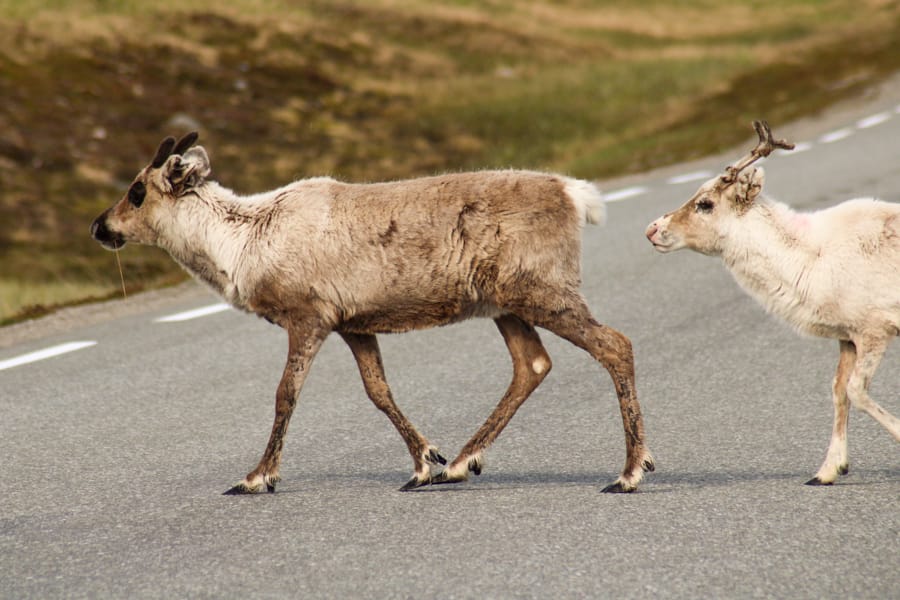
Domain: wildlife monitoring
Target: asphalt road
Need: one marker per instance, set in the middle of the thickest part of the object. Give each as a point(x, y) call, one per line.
point(114, 456)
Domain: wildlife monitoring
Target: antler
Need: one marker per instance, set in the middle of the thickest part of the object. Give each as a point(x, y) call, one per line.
point(185, 142)
point(168, 147)
point(764, 148)
point(163, 152)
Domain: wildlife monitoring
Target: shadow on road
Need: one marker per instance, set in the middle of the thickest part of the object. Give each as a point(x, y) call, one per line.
point(657, 482)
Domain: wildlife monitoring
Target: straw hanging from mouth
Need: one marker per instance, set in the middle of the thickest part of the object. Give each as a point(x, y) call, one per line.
point(121, 274)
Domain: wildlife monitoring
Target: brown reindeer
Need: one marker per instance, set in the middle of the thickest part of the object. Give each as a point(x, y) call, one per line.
point(319, 255)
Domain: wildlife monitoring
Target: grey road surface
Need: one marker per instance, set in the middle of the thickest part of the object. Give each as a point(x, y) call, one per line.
point(113, 457)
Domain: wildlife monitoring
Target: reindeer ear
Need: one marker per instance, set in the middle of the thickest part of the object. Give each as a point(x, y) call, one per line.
point(188, 170)
point(749, 186)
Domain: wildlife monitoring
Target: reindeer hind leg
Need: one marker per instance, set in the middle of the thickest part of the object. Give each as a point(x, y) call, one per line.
point(836, 458)
point(868, 356)
point(531, 363)
point(612, 350)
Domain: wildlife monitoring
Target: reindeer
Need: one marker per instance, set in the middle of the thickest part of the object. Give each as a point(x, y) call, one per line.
point(831, 273)
point(319, 255)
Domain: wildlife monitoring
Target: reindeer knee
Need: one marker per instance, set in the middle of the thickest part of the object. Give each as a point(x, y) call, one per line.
point(856, 391)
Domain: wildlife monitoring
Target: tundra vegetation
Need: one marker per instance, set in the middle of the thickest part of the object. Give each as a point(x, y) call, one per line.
point(380, 90)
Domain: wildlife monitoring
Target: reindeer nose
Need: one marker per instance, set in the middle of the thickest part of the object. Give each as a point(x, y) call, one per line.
point(95, 226)
point(651, 231)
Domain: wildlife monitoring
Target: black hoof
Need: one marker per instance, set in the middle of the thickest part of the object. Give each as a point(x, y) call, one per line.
point(238, 490)
point(844, 469)
point(435, 458)
point(270, 487)
point(817, 481)
point(648, 465)
point(413, 484)
point(616, 488)
point(442, 477)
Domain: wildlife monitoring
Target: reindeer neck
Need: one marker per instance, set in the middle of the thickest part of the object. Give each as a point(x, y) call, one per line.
point(770, 254)
point(210, 235)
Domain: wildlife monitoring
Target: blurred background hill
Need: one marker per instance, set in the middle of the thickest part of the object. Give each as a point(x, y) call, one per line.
point(368, 90)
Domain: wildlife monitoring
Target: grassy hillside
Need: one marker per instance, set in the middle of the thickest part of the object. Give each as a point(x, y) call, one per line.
point(382, 89)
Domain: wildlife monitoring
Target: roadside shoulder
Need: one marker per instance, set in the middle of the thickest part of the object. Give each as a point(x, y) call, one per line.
point(89, 314)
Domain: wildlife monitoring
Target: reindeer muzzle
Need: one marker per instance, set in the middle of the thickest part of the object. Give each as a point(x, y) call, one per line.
point(108, 239)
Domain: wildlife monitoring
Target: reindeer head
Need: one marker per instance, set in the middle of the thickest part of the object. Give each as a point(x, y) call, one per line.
point(704, 220)
point(174, 172)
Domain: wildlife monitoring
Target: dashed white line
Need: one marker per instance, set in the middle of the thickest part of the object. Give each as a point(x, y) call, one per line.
point(873, 120)
point(193, 314)
point(624, 193)
point(45, 353)
point(836, 135)
point(688, 177)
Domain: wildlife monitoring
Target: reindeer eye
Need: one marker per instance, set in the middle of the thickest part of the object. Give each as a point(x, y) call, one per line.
point(705, 205)
point(136, 193)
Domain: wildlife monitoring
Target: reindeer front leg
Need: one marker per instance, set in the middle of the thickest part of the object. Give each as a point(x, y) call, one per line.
point(304, 342)
point(836, 458)
point(371, 369)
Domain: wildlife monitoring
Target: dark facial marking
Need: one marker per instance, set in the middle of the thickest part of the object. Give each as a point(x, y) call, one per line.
point(136, 194)
point(704, 205)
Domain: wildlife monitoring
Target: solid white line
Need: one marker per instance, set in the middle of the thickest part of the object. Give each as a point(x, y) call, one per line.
point(798, 147)
point(873, 120)
point(45, 353)
point(624, 194)
point(688, 177)
point(193, 314)
point(836, 135)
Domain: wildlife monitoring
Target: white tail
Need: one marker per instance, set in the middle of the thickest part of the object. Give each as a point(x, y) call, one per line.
point(588, 201)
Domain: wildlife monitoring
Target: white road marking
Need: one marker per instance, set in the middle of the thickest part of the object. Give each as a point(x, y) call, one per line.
point(798, 147)
point(45, 353)
point(194, 314)
point(624, 193)
point(836, 135)
point(873, 120)
point(688, 177)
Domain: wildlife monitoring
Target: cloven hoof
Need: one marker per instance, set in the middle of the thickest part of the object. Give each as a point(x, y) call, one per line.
point(617, 488)
point(817, 481)
point(242, 490)
point(414, 483)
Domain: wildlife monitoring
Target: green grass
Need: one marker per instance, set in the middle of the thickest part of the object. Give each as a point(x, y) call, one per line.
point(551, 120)
point(378, 90)
point(29, 299)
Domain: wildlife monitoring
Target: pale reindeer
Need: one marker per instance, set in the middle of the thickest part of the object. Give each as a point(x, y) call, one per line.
point(319, 255)
point(834, 273)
